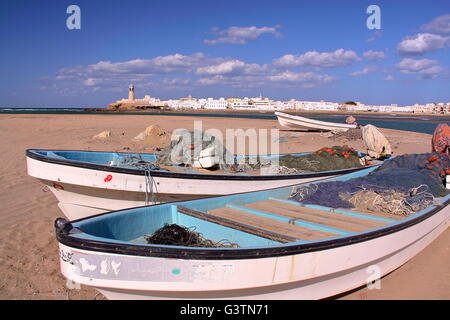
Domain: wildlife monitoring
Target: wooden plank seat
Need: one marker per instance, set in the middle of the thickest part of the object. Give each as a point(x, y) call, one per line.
point(273, 225)
point(234, 224)
point(365, 212)
point(326, 218)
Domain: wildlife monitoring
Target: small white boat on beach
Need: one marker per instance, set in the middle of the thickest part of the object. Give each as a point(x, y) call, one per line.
point(302, 123)
point(285, 249)
point(87, 183)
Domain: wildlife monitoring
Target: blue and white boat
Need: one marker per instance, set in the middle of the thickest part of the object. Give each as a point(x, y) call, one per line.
point(285, 249)
point(88, 183)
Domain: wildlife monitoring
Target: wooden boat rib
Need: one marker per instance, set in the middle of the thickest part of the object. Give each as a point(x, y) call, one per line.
point(302, 123)
point(287, 250)
point(85, 183)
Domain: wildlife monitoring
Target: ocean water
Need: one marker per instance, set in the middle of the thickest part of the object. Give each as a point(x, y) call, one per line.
point(415, 123)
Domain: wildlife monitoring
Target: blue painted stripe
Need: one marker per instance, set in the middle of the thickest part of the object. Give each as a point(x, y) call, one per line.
point(299, 222)
point(349, 213)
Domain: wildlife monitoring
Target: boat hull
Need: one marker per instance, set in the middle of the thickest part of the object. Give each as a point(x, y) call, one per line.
point(301, 123)
point(84, 192)
point(314, 274)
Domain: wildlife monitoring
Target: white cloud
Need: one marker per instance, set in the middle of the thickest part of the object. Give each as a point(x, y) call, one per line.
point(333, 59)
point(178, 71)
point(374, 55)
point(91, 82)
point(287, 78)
point(211, 80)
point(303, 79)
point(223, 67)
point(364, 71)
point(231, 67)
point(241, 35)
point(376, 34)
point(422, 43)
point(389, 78)
point(439, 24)
point(161, 64)
point(425, 68)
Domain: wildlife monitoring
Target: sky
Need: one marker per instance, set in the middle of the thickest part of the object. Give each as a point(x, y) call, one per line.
point(307, 50)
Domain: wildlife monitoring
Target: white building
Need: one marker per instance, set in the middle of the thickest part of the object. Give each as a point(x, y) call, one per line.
point(242, 104)
point(316, 105)
point(185, 103)
point(215, 104)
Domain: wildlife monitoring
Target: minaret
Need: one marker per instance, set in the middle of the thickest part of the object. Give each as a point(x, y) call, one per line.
point(130, 92)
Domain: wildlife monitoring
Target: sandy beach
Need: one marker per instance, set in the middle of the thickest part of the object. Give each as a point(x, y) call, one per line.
point(28, 251)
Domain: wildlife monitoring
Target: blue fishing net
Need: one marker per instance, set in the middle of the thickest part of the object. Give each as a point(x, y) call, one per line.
point(402, 174)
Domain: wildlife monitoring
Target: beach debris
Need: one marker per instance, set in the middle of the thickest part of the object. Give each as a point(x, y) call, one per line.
point(176, 235)
point(151, 131)
point(328, 134)
point(103, 135)
point(376, 143)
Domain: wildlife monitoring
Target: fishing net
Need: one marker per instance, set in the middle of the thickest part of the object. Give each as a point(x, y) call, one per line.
point(135, 162)
point(413, 180)
point(186, 146)
point(391, 201)
point(176, 235)
point(350, 134)
point(325, 159)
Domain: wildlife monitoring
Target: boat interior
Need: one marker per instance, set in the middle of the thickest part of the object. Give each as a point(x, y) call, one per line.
point(119, 159)
point(250, 220)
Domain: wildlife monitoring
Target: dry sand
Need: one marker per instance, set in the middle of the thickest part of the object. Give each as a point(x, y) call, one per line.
point(29, 262)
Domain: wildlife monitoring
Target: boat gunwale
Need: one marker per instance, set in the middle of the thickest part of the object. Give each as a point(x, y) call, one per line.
point(196, 253)
point(31, 153)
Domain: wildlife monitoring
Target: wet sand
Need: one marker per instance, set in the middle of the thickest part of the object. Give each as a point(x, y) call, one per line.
point(28, 251)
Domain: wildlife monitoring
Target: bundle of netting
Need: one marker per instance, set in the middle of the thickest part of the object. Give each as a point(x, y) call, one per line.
point(403, 185)
point(195, 149)
point(176, 235)
point(351, 134)
point(133, 161)
point(325, 159)
point(391, 201)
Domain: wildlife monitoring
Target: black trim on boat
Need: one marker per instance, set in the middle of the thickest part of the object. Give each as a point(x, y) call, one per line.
point(65, 231)
point(169, 174)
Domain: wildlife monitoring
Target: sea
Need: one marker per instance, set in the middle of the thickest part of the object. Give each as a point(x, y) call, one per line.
point(415, 123)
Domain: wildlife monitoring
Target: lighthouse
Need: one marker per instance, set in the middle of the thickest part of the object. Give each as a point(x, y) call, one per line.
point(130, 92)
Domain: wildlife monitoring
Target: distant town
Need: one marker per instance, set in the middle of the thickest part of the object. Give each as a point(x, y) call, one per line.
point(265, 104)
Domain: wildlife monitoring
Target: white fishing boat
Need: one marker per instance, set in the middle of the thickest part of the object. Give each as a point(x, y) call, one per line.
point(302, 123)
point(284, 249)
point(88, 183)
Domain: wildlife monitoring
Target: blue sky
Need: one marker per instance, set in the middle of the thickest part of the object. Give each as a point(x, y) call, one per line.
point(307, 50)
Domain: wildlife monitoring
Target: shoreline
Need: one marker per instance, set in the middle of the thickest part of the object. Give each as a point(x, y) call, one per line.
point(232, 112)
point(29, 250)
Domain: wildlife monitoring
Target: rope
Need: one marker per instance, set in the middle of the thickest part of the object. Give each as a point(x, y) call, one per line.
point(299, 193)
point(149, 182)
point(139, 163)
point(174, 234)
